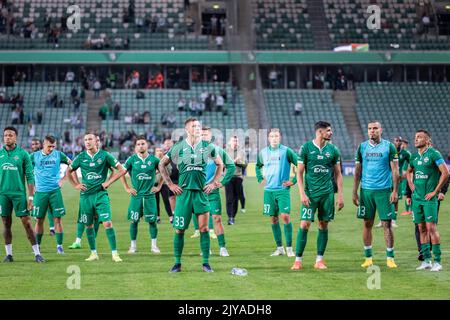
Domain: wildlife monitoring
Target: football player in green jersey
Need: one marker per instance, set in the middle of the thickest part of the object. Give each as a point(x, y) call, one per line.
point(191, 157)
point(142, 168)
point(15, 166)
point(427, 174)
point(94, 199)
point(319, 160)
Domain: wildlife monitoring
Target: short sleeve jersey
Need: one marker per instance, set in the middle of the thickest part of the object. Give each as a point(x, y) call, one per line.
point(94, 169)
point(319, 164)
point(426, 172)
point(142, 173)
point(47, 169)
point(375, 163)
point(191, 162)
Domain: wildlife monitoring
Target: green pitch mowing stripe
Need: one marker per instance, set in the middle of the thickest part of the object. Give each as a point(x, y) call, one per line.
point(250, 243)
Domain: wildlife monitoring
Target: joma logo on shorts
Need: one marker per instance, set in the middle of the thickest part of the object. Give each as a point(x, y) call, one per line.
point(9, 166)
point(93, 176)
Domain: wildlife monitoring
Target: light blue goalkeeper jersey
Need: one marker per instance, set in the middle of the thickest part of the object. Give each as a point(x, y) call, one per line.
point(277, 166)
point(46, 169)
point(375, 163)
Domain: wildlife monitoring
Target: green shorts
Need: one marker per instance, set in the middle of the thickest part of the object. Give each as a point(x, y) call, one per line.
point(371, 201)
point(215, 204)
point(425, 211)
point(276, 202)
point(95, 205)
point(324, 205)
point(44, 201)
point(143, 206)
point(16, 202)
point(189, 202)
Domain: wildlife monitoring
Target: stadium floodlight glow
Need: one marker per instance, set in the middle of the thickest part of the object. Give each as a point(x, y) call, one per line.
point(216, 6)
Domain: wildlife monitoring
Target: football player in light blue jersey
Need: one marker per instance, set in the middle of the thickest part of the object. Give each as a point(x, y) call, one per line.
point(47, 163)
point(377, 170)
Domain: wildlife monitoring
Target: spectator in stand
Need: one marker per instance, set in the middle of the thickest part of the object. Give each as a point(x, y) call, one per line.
point(135, 79)
point(219, 103)
point(181, 104)
point(97, 87)
point(70, 76)
point(39, 116)
point(73, 92)
point(425, 23)
point(214, 28)
point(171, 120)
point(15, 115)
point(103, 112)
point(161, 24)
point(76, 104)
point(298, 108)
point(219, 42)
point(116, 110)
point(159, 80)
point(273, 79)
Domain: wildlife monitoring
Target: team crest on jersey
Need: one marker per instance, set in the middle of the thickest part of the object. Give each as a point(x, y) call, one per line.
point(327, 154)
point(426, 159)
point(16, 158)
point(99, 161)
point(149, 163)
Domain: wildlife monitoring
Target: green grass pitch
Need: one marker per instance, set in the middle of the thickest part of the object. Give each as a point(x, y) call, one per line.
point(250, 243)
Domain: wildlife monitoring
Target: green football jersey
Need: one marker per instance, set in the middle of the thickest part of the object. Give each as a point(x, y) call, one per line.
point(191, 162)
point(15, 165)
point(142, 173)
point(426, 172)
point(403, 159)
point(319, 165)
point(94, 169)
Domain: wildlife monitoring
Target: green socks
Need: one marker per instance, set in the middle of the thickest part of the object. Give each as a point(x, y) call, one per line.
point(80, 230)
point(221, 239)
point(407, 207)
point(39, 238)
point(322, 240)
point(178, 244)
point(90, 234)
point(302, 237)
point(133, 231)
point(96, 226)
point(111, 234)
point(277, 233)
point(288, 234)
point(425, 250)
point(205, 245)
point(153, 230)
point(368, 251)
point(437, 253)
point(390, 252)
point(59, 238)
point(195, 221)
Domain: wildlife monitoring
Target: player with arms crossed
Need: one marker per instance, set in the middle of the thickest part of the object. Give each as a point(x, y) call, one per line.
point(142, 169)
point(427, 174)
point(191, 157)
point(321, 160)
point(276, 160)
point(15, 165)
point(94, 199)
point(47, 165)
point(377, 170)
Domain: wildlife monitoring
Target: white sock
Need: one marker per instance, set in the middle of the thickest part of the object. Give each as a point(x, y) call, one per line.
point(298, 259)
point(319, 258)
point(153, 242)
point(93, 251)
point(36, 249)
point(133, 243)
point(367, 247)
point(8, 248)
point(114, 252)
point(78, 240)
point(52, 228)
point(59, 246)
point(280, 248)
